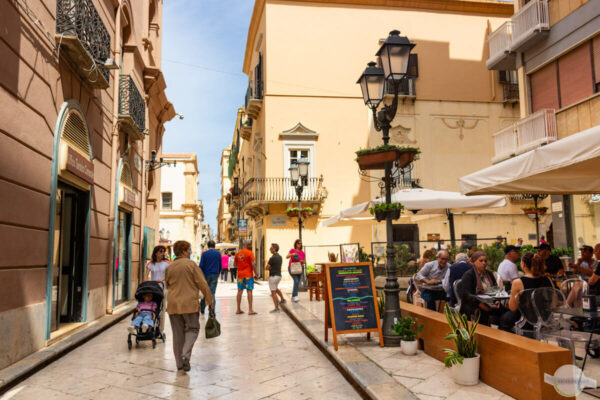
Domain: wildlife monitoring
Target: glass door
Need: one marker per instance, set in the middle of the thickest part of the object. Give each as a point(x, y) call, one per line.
point(122, 259)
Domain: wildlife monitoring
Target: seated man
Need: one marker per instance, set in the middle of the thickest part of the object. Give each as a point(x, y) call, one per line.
point(454, 273)
point(585, 262)
point(432, 273)
point(553, 264)
point(594, 282)
point(507, 268)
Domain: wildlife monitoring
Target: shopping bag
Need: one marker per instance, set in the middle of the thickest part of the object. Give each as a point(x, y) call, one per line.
point(212, 327)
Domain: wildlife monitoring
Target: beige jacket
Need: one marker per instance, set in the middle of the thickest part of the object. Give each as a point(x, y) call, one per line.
point(184, 280)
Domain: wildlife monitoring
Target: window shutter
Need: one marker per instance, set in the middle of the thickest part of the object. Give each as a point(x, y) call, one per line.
point(503, 76)
point(126, 178)
point(575, 75)
point(544, 88)
point(75, 132)
point(596, 50)
point(413, 66)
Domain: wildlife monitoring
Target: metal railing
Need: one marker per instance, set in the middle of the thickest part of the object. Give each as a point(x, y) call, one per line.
point(80, 18)
point(510, 91)
point(281, 190)
point(536, 129)
point(500, 41)
point(407, 87)
point(131, 102)
point(534, 16)
point(254, 91)
point(505, 143)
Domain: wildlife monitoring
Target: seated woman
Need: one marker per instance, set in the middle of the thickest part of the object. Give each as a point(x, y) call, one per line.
point(477, 281)
point(533, 266)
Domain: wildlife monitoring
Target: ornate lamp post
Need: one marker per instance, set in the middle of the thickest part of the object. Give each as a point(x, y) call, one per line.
point(394, 55)
point(299, 179)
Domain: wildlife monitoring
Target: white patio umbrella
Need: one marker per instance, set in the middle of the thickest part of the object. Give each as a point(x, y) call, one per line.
point(224, 245)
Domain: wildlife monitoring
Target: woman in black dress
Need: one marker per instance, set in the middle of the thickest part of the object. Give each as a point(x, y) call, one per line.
point(477, 281)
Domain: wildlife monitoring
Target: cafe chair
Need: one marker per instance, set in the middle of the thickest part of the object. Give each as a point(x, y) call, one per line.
point(417, 299)
point(499, 281)
point(457, 289)
point(555, 327)
point(574, 289)
point(529, 325)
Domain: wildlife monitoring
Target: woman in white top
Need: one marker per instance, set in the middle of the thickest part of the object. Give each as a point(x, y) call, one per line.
point(156, 269)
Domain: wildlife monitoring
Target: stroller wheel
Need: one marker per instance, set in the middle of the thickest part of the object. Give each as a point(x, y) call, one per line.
point(129, 344)
point(163, 336)
point(153, 343)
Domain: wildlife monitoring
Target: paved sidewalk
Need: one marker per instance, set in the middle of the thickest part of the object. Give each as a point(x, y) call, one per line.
point(262, 356)
point(384, 372)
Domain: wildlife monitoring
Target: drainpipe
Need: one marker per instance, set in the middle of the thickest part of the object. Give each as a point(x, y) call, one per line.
point(114, 162)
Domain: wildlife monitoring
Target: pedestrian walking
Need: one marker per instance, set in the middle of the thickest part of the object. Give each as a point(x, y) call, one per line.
point(210, 264)
point(224, 266)
point(232, 267)
point(274, 268)
point(155, 271)
point(244, 260)
point(296, 266)
point(184, 279)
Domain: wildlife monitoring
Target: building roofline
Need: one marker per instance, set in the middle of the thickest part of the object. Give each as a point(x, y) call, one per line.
point(486, 7)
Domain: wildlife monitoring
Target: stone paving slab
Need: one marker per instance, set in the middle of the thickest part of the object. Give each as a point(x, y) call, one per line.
point(34, 362)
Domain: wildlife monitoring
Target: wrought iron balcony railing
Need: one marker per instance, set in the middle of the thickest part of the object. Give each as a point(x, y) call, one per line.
point(254, 96)
point(407, 87)
point(78, 20)
point(280, 190)
point(132, 109)
point(510, 92)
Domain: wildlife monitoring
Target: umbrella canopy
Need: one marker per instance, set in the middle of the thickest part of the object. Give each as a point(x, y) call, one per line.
point(223, 245)
point(421, 201)
point(567, 166)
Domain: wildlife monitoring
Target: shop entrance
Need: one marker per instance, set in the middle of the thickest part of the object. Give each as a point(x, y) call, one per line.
point(122, 260)
point(69, 252)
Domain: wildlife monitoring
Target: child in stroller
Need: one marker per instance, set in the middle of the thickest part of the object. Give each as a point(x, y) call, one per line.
point(145, 324)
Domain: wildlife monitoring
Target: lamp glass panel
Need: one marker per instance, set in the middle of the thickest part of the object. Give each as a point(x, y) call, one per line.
point(394, 59)
point(294, 173)
point(303, 168)
point(375, 86)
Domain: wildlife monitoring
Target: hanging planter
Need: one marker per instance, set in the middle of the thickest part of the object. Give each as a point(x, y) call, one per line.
point(380, 211)
point(306, 212)
point(535, 210)
point(377, 157)
point(292, 212)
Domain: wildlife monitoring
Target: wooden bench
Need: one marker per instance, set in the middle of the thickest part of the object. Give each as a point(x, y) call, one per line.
point(512, 364)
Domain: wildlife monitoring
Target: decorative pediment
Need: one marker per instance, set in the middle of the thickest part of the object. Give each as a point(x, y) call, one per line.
point(299, 132)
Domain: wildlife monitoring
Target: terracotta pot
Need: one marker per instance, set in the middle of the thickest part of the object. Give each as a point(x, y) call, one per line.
point(405, 158)
point(379, 215)
point(467, 373)
point(292, 214)
point(306, 214)
point(529, 211)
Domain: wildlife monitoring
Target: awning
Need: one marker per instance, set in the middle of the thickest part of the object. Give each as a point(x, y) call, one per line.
point(567, 166)
point(420, 201)
point(226, 245)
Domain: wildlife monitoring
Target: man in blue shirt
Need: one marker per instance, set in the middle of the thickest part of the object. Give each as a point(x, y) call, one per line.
point(210, 264)
point(454, 273)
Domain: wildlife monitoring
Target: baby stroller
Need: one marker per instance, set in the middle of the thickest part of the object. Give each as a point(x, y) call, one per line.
point(153, 333)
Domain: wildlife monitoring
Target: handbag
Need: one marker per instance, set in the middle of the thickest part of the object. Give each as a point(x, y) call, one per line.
point(296, 268)
point(212, 328)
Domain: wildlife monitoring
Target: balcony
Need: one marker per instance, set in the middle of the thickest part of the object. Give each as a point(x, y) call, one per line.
point(529, 23)
point(254, 99)
point(83, 39)
point(578, 117)
point(407, 89)
point(132, 109)
point(510, 92)
point(261, 191)
point(527, 134)
point(499, 41)
point(246, 129)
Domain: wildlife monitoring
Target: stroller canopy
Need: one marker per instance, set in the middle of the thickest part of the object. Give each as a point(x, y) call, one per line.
point(149, 287)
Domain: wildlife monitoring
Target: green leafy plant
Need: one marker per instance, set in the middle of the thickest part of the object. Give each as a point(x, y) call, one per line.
point(526, 248)
point(405, 261)
point(364, 257)
point(463, 335)
point(293, 209)
point(381, 302)
point(387, 147)
point(311, 268)
point(307, 209)
point(407, 328)
point(561, 251)
point(384, 207)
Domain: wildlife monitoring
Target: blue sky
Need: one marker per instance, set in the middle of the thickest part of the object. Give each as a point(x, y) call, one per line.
point(202, 55)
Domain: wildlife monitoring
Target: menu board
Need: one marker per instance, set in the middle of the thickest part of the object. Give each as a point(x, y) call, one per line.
point(352, 299)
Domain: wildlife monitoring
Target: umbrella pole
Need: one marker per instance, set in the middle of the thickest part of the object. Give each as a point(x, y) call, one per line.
point(537, 220)
point(451, 223)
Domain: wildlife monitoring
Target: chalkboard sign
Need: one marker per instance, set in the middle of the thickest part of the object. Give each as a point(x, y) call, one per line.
point(352, 299)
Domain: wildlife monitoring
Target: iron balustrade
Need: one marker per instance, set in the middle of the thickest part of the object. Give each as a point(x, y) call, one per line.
point(254, 91)
point(131, 102)
point(273, 190)
point(407, 87)
point(510, 91)
point(80, 18)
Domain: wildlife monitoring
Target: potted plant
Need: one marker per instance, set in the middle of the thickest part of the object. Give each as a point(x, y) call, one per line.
point(376, 158)
point(306, 212)
point(528, 210)
point(408, 329)
point(380, 210)
point(381, 303)
point(464, 361)
point(292, 212)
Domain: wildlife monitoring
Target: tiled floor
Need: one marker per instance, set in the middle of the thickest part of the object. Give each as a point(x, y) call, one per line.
point(262, 356)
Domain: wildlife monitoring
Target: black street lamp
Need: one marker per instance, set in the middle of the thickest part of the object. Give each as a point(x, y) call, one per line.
point(393, 55)
point(299, 179)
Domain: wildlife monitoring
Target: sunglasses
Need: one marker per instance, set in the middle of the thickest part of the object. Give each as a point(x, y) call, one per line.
point(161, 251)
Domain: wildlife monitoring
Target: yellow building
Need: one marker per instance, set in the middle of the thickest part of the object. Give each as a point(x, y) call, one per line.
point(224, 221)
point(303, 59)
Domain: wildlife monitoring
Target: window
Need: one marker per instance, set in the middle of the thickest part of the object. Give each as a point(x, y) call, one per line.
point(508, 77)
point(298, 154)
point(167, 200)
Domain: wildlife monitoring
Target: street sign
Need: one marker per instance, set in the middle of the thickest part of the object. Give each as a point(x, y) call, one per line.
point(243, 227)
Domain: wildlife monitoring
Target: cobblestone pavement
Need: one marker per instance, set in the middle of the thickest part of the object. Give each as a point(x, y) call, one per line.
point(261, 356)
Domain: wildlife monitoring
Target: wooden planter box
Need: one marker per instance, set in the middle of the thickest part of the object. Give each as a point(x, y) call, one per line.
point(536, 211)
point(377, 159)
point(292, 214)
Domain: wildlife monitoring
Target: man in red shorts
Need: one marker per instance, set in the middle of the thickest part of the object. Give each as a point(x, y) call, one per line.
point(244, 260)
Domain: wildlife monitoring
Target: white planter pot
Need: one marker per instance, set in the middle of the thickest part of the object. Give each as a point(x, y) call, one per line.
point(409, 347)
point(467, 373)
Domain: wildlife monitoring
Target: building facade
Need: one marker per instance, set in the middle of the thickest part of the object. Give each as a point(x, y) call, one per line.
point(223, 215)
point(554, 47)
point(307, 105)
point(181, 213)
point(83, 105)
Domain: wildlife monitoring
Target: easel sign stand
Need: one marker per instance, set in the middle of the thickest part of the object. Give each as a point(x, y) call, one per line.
point(351, 304)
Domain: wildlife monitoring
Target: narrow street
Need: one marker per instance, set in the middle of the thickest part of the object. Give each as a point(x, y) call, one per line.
point(261, 356)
